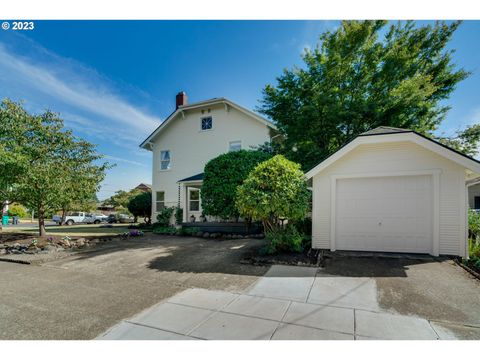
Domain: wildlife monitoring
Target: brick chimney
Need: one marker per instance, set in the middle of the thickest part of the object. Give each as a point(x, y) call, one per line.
point(181, 99)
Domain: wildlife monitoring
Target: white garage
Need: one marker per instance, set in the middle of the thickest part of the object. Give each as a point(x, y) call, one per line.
point(392, 190)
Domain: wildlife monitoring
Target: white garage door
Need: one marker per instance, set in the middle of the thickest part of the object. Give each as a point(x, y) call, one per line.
point(391, 214)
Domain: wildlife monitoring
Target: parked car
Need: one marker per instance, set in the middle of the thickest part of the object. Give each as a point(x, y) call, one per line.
point(112, 219)
point(96, 218)
point(72, 218)
point(124, 219)
point(119, 218)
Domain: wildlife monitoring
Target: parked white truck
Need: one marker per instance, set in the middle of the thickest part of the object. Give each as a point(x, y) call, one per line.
point(80, 218)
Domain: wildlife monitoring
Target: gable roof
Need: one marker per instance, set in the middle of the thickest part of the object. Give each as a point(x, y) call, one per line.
point(197, 177)
point(386, 134)
point(182, 109)
point(381, 130)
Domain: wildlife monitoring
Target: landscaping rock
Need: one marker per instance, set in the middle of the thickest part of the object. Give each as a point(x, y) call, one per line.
point(50, 248)
point(80, 242)
point(206, 235)
point(3, 251)
point(199, 234)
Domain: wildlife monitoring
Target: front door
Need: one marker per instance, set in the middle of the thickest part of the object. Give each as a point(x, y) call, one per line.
point(193, 204)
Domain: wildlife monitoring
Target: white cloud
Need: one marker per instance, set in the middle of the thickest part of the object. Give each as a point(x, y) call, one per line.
point(67, 86)
point(127, 161)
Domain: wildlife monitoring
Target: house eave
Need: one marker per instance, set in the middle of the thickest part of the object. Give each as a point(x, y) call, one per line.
point(184, 108)
point(469, 163)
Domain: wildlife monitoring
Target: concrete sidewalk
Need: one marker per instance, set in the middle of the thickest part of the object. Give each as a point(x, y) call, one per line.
point(288, 303)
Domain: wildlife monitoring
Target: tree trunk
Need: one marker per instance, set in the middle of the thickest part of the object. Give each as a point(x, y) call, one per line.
point(41, 222)
point(62, 220)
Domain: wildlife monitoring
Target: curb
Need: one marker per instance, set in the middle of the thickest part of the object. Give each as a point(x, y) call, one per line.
point(468, 269)
point(24, 262)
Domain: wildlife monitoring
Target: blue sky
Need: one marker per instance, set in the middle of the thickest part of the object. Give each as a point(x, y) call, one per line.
point(113, 82)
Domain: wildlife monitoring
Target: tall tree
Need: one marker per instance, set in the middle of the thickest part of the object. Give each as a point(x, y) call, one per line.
point(121, 199)
point(466, 140)
point(49, 159)
point(141, 205)
point(13, 164)
point(356, 80)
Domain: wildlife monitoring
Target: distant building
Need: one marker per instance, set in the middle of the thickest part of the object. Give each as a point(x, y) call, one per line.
point(106, 209)
point(144, 187)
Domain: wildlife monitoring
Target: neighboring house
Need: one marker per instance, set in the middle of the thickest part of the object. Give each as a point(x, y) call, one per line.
point(474, 194)
point(106, 209)
point(144, 187)
point(392, 190)
point(191, 136)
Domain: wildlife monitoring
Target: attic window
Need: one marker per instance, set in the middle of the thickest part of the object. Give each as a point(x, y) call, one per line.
point(207, 123)
point(165, 160)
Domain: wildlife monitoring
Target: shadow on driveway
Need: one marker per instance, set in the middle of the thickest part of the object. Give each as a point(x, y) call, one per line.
point(180, 254)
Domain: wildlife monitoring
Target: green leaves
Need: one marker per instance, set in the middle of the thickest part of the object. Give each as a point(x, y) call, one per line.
point(355, 81)
point(141, 205)
point(42, 165)
point(223, 175)
point(274, 190)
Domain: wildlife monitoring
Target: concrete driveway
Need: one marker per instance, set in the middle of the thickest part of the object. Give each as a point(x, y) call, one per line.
point(82, 296)
point(361, 299)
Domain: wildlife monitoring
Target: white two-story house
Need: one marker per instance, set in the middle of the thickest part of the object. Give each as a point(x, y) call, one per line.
point(191, 136)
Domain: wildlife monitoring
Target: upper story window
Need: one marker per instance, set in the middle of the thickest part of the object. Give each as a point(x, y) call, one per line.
point(207, 123)
point(165, 162)
point(235, 145)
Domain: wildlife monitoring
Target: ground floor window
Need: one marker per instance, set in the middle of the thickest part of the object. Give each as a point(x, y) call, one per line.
point(194, 201)
point(160, 203)
point(476, 201)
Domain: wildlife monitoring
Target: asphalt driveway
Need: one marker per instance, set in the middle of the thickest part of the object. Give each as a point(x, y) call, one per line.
point(83, 296)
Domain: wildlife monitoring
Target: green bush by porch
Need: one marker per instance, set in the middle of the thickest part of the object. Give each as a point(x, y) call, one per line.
point(223, 175)
point(273, 192)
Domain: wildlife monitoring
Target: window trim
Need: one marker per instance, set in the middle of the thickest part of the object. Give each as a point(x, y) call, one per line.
point(170, 161)
point(234, 141)
point(190, 199)
point(201, 121)
point(159, 201)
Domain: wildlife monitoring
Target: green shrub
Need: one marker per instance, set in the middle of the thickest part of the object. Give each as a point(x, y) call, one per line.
point(287, 239)
point(474, 224)
point(304, 225)
point(141, 206)
point(179, 216)
point(223, 175)
point(188, 231)
point(165, 230)
point(274, 190)
point(474, 248)
point(165, 215)
point(17, 210)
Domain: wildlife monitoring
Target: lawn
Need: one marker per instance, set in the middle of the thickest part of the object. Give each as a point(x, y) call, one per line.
point(74, 230)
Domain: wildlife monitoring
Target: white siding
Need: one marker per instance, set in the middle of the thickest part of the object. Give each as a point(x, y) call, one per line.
point(190, 148)
point(394, 158)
